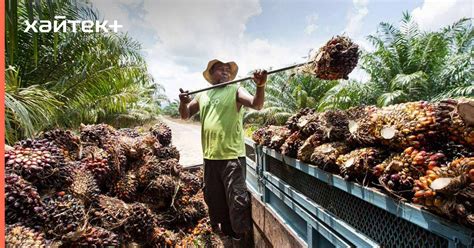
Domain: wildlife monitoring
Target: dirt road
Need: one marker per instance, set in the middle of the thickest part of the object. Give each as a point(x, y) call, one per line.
point(187, 138)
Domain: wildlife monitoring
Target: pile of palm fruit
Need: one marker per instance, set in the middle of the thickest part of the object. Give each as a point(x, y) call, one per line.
point(422, 152)
point(102, 187)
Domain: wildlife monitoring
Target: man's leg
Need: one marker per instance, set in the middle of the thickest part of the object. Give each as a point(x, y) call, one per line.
point(238, 199)
point(214, 193)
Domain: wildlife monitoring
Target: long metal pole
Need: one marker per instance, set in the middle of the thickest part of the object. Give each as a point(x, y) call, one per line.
point(247, 78)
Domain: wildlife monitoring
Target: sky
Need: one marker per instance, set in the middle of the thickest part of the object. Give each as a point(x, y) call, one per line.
point(179, 37)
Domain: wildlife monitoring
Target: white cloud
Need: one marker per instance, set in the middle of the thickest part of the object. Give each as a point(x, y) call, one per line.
point(191, 33)
point(311, 26)
point(356, 16)
point(435, 14)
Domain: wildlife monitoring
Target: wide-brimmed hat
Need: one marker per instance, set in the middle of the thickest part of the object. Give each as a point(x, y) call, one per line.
point(233, 70)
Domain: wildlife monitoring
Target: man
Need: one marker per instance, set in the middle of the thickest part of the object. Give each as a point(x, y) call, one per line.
point(222, 138)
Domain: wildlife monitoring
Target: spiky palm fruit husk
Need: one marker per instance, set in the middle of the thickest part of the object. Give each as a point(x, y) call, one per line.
point(191, 183)
point(141, 223)
point(161, 190)
point(126, 188)
point(300, 119)
point(335, 124)
point(305, 151)
point(279, 136)
point(408, 124)
point(64, 215)
point(96, 160)
point(40, 162)
point(94, 237)
point(129, 132)
point(21, 236)
point(450, 119)
point(325, 156)
point(162, 237)
point(162, 132)
point(109, 212)
point(399, 171)
point(258, 134)
point(99, 134)
point(362, 123)
point(292, 144)
point(359, 164)
point(66, 140)
point(335, 60)
point(84, 185)
point(167, 152)
point(449, 190)
point(22, 201)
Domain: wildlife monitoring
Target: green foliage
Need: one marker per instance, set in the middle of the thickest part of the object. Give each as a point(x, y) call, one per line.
point(62, 79)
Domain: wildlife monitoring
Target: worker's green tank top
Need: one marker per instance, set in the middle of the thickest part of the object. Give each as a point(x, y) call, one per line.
point(222, 134)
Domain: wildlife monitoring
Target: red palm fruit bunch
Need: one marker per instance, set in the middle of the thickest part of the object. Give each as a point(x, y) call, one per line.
point(449, 190)
point(40, 162)
point(399, 172)
point(22, 202)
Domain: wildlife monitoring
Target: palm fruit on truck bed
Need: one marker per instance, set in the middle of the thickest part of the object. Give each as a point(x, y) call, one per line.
point(359, 164)
point(325, 156)
point(399, 172)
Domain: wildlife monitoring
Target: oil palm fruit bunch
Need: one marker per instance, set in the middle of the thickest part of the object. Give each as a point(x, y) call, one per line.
point(335, 124)
point(455, 150)
point(191, 183)
point(362, 123)
point(141, 223)
point(109, 212)
point(188, 213)
point(160, 191)
point(127, 186)
point(325, 156)
point(94, 237)
point(22, 201)
point(359, 164)
point(162, 237)
point(408, 124)
point(450, 114)
point(129, 132)
point(335, 60)
point(64, 215)
point(21, 236)
point(40, 162)
point(96, 160)
point(313, 141)
point(449, 190)
point(400, 171)
point(279, 136)
point(292, 144)
point(66, 140)
point(84, 185)
point(162, 132)
point(300, 119)
point(258, 135)
point(167, 152)
point(170, 167)
point(97, 134)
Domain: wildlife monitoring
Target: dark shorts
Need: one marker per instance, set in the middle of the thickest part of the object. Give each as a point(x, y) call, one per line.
point(226, 195)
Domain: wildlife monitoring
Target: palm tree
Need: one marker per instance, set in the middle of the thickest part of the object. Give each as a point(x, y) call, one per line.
point(285, 95)
point(410, 65)
point(70, 77)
